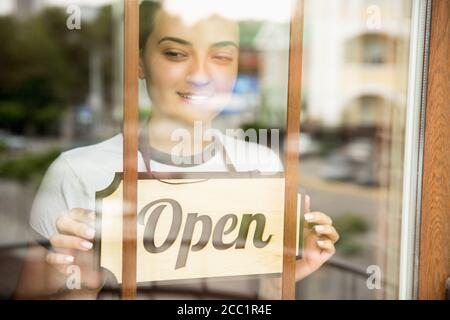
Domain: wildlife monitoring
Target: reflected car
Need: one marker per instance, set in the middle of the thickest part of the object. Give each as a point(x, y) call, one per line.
point(367, 174)
point(360, 150)
point(337, 167)
point(353, 162)
point(12, 142)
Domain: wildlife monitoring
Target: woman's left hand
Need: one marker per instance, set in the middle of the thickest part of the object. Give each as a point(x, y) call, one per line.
point(319, 239)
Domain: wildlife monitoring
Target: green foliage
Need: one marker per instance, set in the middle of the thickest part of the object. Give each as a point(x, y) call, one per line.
point(29, 167)
point(351, 223)
point(247, 32)
point(349, 247)
point(350, 226)
point(253, 125)
point(15, 116)
point(144, 114)
point(12, 113)
point(45, 67)
point(3, 147)
point(258, 125)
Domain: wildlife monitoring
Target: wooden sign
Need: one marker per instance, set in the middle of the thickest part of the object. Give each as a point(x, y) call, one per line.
point(192, 228)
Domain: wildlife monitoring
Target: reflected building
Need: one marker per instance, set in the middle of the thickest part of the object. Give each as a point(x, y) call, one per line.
point(354, 84)
point(354, 52)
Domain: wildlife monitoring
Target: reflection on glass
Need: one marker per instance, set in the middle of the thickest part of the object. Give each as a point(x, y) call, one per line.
point(62, 88)
point(56, 93)
point(222, 65)
point(208, 69)
point(354, 87)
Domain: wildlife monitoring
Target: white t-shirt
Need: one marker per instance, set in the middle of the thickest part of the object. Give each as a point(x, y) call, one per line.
point(76, 175)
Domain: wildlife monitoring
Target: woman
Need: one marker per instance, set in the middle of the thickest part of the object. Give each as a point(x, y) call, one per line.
point(190, 69)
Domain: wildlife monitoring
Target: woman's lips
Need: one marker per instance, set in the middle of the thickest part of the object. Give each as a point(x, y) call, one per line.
point(194, 97)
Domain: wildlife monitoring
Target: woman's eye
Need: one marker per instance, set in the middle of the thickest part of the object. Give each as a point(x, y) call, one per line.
point(175, 55)
point(223, 58)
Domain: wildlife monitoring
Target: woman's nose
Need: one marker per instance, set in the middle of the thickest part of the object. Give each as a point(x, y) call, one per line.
point(199, 74)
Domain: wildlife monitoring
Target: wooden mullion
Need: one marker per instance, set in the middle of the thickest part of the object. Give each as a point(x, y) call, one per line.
point(291, 150)
point(130, 147)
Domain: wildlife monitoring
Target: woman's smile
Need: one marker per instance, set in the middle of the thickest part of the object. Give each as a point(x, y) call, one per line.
point(195, 98)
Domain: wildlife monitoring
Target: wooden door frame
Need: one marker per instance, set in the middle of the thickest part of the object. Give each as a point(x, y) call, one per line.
point(434, 255)
point(292, 182)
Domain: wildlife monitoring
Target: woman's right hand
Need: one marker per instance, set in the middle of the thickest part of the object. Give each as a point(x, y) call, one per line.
point(72, 248)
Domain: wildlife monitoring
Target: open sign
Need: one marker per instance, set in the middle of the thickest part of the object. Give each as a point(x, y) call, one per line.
point(228, 231)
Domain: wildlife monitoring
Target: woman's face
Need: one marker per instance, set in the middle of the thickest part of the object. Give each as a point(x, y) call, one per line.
point(190, 69)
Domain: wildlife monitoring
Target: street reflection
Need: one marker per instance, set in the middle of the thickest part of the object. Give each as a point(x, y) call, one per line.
point(61, 89)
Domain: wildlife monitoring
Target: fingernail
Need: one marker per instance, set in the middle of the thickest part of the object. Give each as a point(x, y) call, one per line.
point(319, 228)
point(86, 244)
point(321, 243)
point(309, 216)
point(68, 259)
point(90, 233)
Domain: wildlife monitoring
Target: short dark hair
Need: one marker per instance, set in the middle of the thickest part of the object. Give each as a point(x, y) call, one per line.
point(147, 15)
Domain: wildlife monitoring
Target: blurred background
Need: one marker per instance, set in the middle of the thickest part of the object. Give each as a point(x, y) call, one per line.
point(62, 88)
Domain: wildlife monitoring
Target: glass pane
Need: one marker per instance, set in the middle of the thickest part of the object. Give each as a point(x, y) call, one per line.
point(61, 106)
point(356, 58)
point(213, 95)
point(221, 66)
point(60, 90)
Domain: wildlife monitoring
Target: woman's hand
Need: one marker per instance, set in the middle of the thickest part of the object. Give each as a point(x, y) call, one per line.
point(72, 246)
point(319, 239)
point(318, 246)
